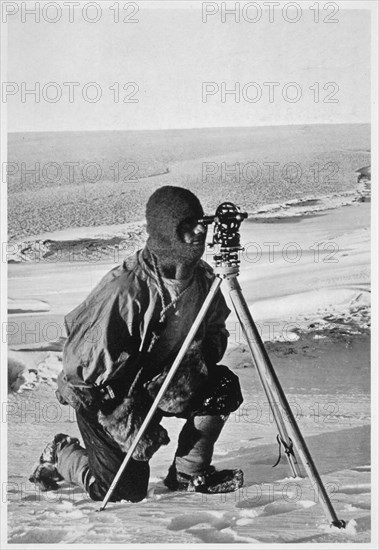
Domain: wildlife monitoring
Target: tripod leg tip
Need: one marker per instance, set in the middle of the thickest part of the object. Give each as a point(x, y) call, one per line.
point(339, 523)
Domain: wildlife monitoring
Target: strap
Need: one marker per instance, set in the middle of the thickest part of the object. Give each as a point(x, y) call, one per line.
point(288, 448)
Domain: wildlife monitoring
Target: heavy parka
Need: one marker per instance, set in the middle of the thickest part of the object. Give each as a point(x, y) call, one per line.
point(110, 332)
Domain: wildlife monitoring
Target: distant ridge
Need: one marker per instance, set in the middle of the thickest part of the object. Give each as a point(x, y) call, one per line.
point(201, 128)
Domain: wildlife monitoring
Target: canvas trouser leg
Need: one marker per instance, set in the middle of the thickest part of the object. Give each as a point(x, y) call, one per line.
point(221, 396)
point(196, 443)
point(73, 464)
point(95, 467)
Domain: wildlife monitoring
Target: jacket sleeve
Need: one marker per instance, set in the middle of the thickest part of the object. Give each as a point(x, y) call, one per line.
point(216, 336)
point(102, 338)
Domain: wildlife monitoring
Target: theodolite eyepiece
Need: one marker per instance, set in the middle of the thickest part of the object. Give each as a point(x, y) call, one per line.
point(227, 212)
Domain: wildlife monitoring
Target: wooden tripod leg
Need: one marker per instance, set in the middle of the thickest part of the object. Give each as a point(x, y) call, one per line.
point(283, 434)
point(268, 373)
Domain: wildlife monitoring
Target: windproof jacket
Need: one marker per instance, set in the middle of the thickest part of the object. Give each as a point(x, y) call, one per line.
point(110, 331)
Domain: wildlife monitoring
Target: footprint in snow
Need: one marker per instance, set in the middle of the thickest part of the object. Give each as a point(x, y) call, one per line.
point(211, 527)
point(186, 521)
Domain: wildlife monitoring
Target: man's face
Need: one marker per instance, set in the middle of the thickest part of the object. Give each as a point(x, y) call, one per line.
point(192, 232)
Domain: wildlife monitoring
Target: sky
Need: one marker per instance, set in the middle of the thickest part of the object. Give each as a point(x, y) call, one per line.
point(321, 70)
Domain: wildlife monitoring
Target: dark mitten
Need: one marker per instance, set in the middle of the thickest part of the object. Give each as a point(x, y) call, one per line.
point(124, 422)
point(184, 387)
point(222, 394)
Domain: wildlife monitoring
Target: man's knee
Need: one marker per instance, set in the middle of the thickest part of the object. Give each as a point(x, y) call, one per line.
point(105, 458)
point(132, 486)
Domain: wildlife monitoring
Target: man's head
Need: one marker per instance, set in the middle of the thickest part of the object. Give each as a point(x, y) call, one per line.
point(175, 235)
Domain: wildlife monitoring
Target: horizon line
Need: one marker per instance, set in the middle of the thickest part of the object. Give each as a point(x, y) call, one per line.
point(192, 128)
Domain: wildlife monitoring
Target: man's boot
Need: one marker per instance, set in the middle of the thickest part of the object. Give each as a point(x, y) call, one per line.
point(192, 470)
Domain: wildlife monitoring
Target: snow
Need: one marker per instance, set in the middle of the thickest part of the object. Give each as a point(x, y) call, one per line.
point(322, 359)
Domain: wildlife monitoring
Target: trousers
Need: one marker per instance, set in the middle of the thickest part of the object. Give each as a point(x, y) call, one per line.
point(94, 466)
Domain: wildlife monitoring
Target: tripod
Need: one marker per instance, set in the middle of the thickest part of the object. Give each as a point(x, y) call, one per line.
point(227, 221)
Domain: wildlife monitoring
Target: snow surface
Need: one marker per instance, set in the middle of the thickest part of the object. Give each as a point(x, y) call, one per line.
point(314, 317)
